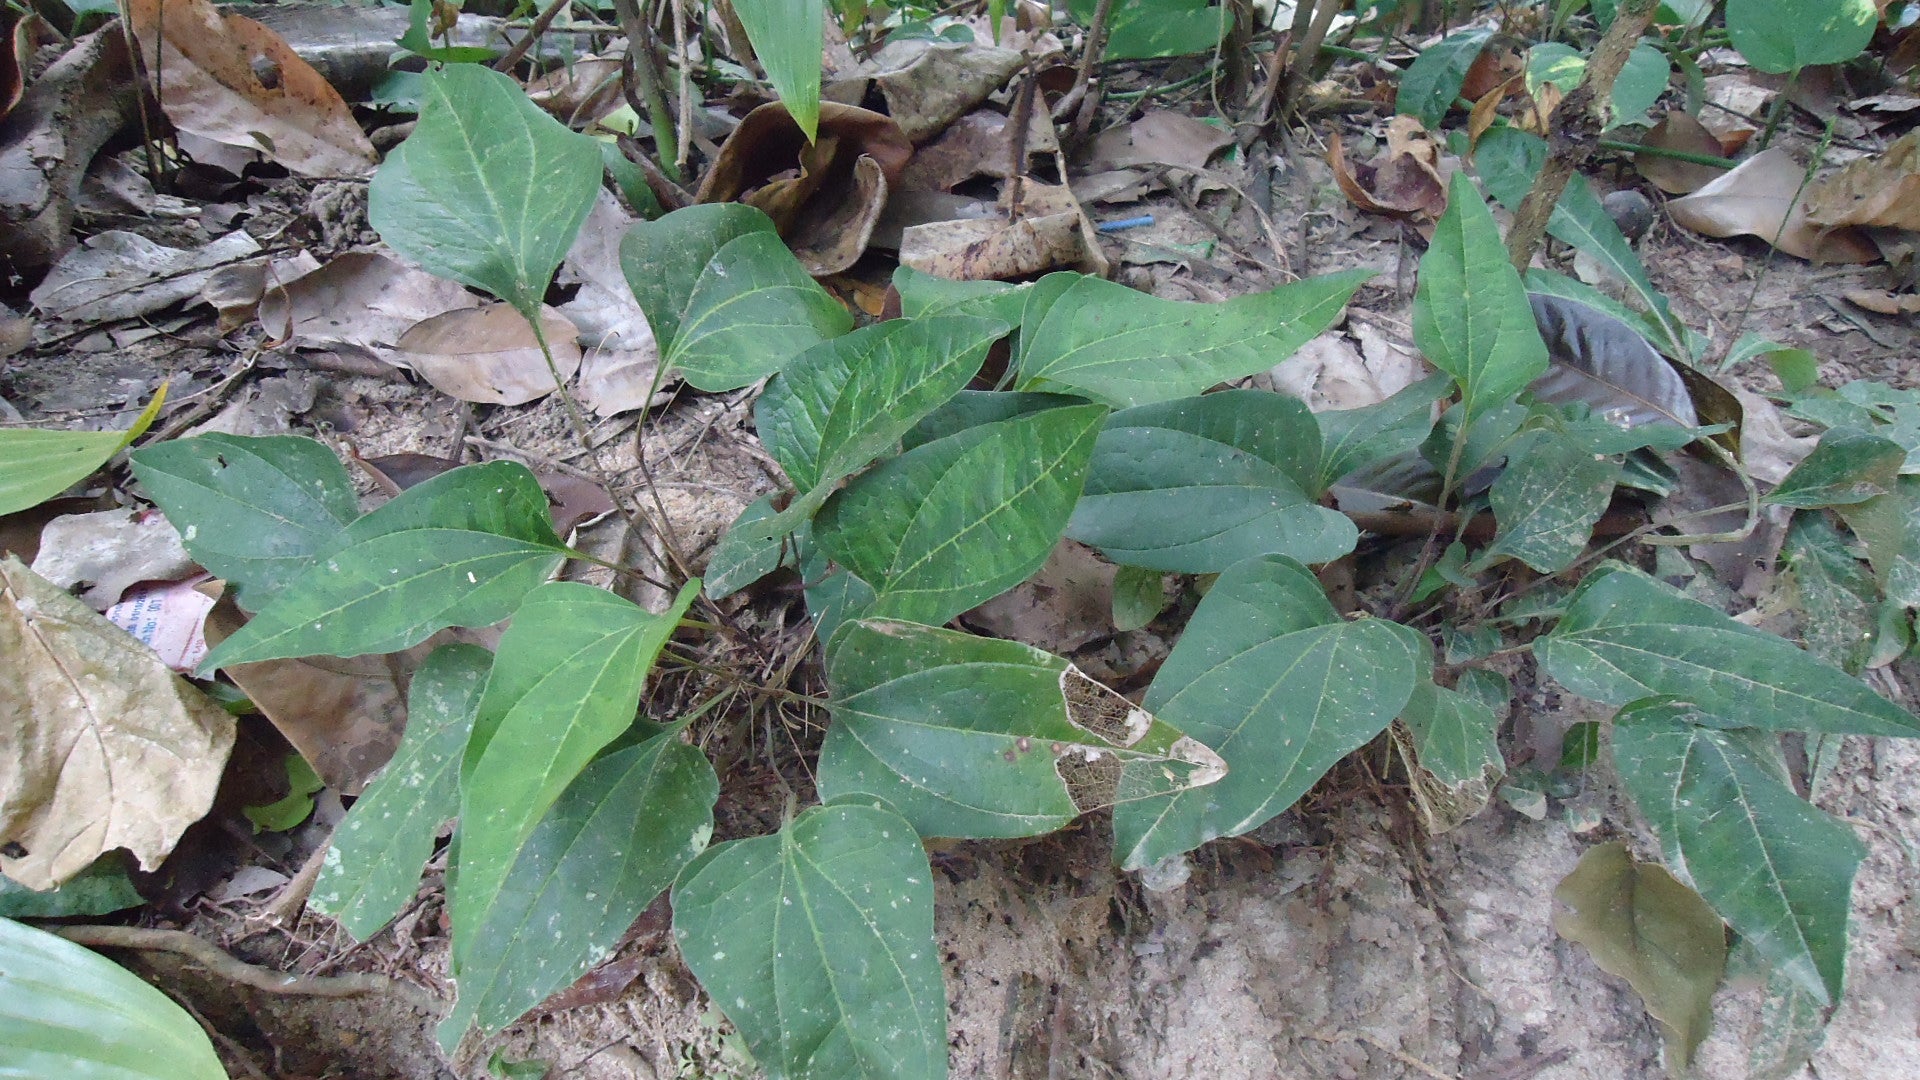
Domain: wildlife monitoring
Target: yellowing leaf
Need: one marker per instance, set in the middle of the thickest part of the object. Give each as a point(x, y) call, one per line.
point(102, 746)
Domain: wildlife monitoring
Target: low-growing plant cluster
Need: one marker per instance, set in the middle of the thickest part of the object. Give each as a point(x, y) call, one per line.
point(911, 499)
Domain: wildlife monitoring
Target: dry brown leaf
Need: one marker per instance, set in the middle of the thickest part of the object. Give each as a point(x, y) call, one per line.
point(823, 201)
point(107, 552)
point(1067, 604)
point(581, 92)
point(1757, 199)
point(1047, 231)
point(928, 85)
point(1679, 131)
point(1499, 62)
point(102, 748)
point(1878, 192)
point(621, 360)
point(359, 301)
point(1404, 180)
point(1486, 107)
point(121, 275)
point(977, 144)
point(232, 80)
point(1161, 137)
point(1884, 302)
point(489, 354)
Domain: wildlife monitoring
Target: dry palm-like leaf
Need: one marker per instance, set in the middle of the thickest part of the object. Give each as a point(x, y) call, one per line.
point(232, 80)
point(489, 354)
point(1679, 131)
point(102, 748)
point(1759, 199)
point(825, 196)
point(1878, 192)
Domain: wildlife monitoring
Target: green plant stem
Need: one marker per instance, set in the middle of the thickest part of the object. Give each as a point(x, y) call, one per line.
point(640, 60)
point(1779, 109)
point(1205, 74)
point(532, 37)
point(1663, 152)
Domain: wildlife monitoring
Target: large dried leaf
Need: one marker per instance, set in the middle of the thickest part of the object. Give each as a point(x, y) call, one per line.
point(1876, 192)
point(927, 84)
point(121, 275)
point(1642, 925)
point(490, 354)
point(1758, 199)
point(1402, 180)
point(1047, 230)
point(229, 79)
point(103, 747)
point(361, 301)
point(620, 368)
point(1679, 131)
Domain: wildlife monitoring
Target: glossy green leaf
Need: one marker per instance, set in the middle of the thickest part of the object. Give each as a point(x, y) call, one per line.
point(1354, 438)
point(1625, 636)
point(971, 408)
point(612, 842)
point(844, 402)
point(99, 889)
point(788, 37)
point(460, 549)
point(383, 844)
point(68, 1012)
point(489, 190)
point(1508, 159)
point(1139, 595)
point(752, 309)
point(923, 294)
point(834, 595)
point(1786, 35)
point(818, 944)
point(751, 549)
point(1833, 597)
point(950, 524)
point(1775, 867)
point(1146, 29)
point(1198, 484)
point(1433, 81)
point(1270, 677)
point(1547, 500)
point(1455, 735)
point(565, 682)
point(978, 737)
point(36, 465)
point(1848, 466)
point(1470, 312)
point(1890, 527)
point(1123, 347)
point(255, 511)
point(1642, 925)
point(663, 259)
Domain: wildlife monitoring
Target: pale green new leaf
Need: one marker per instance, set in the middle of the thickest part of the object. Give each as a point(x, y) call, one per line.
point(978, 737)
point(753, 309)
point(1123, 347)
point(1547, 500)
point(489, 190)
point(1198, 484)
point(68, 1012)
point(818, 944)
point(1775, 867)
point(1470, 313)
point(956, 522)
point(255, 511)
point(663, 259)
point(1625, 636)
point(460, 549)
point(37, 465)
point(383, 844)
point(788, 36)
point(565, 683)
point(612, 842)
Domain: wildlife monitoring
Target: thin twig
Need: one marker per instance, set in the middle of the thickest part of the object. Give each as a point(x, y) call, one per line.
point(217, 961)
point(1096, 45)
point(684, 142)
point(526, 43)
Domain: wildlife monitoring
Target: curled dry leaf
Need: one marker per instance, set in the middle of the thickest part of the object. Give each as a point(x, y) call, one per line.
point(1679, 131)
point(978, 144)
point(1877, 192)
point(825, 196)
point(103, 746)
point(1046, 231)
point(360, 301)
point(232, 80)
point(1406, 179)
point(1758, 199)
point(929, 84)
point(489, 354)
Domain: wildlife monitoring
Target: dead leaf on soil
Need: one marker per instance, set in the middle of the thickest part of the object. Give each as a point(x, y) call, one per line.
point(1329, 373)
point(1406, 179)
point(360, 301)
point(928, 84)
point(1048, 231)
point(824, 197)
point(1679, 131)
point(1642, 925)
point(489, 354)
point(232, 80)
point(1063, 607)
point(104, 747)
point(62, 120)
point(978, 144)
point(1880, 192)
point(1161, 137)
point(621, 360)
point(1757, 199)
point(236, 291)
point(580, 92)
point(1884, 302)
point(122, 275)
point(107, 552)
